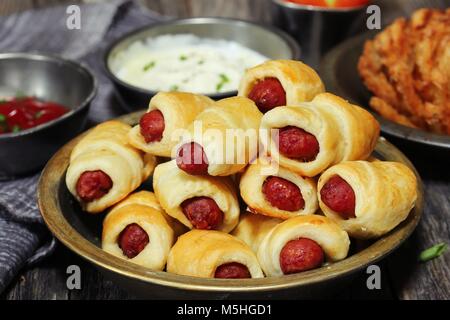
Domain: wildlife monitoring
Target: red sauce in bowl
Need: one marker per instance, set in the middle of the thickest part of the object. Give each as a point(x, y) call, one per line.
point(331, 3)
point(18, 114)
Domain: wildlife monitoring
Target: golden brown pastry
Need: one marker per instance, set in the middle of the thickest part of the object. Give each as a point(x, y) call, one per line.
point(201, 202)
point(222, 139)
point(148, 198)
point(280, 82)
point(212, 254)
point(168, 112)
point(137, 230)
point(104, 168)
point(280, 194)
point(252, 228)
point(317, 134)
point(302, 243)
point(367, 199)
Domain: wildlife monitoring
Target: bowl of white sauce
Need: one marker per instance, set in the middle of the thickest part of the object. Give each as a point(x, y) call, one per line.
point(200, 55)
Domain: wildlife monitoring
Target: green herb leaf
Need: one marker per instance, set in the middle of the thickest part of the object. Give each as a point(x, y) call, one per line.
point(2, 117)
point(173, 88)
point(201, 62)
point(183, 57)
point(433, 252)
point(38, 114)
point(223, 80)
point(149, 65)
point(16, 128)
point(20, 95)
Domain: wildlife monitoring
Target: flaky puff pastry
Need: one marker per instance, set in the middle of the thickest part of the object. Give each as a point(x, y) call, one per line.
point(198, 253)
point(106, 148)
point(149, 199)
point(329, 236)
point(179, 110)
point(385, 193)
point(343, 131)
point(253, 228)
point(143, 210)
point(251, 185)
point(300, 82)
point(228, 133)
point(172, 186)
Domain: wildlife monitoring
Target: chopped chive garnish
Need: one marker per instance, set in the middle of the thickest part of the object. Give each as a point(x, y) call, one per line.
point(149, 65)
point(38, 114)
point(183, 57)
point(2, 117)
point(223, 80)
point(173, 88)
point(15, 128)
point(433, 252)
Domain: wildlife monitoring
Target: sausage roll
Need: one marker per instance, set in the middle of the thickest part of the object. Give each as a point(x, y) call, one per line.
point(280, 82)
point(199, 202)
point(367, 199)
point(252, 228)
point(148, 198)
point(104, 168)
point(317, 134)
point(283, 194)
point(302, 243)
point(213, 254)
point(156, 132)
point(137, 230)
point(222, 139)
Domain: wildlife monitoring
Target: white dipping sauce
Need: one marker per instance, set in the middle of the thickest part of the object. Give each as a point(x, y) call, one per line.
point(184, 62)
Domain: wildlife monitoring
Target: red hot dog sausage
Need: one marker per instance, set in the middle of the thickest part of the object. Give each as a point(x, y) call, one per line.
point(300, 255)
point(339, 196)
point(296, 143)
point(152, 126)
point(132, 240)
point(283, 194)
point(232, 270)
point(92, 185)
point(202, 212)
point(268, 94)
point(192, 159)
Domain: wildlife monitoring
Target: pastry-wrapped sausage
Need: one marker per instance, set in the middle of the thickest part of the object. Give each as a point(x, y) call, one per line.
point(200, 202)
point(280, 82)
point(367, 199)
point(167, 112)
point(137, 230)
point(284, 194)
point(317, 134)
point(104, 168)
point(226, 142)
point(302, 243)
point(212, 254)
point(253, 228)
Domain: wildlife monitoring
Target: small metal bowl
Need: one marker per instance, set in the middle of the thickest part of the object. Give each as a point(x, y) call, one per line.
point(266, 40)
point(81, 233)
point(317, 29)
point(48, 78)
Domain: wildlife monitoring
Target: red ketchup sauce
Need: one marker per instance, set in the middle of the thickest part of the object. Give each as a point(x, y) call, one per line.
point(18, 114)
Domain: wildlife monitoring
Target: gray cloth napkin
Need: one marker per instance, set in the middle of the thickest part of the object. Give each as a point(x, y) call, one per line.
point(24, 239)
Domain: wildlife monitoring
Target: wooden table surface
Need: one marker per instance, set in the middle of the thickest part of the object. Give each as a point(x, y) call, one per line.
point(403, 277)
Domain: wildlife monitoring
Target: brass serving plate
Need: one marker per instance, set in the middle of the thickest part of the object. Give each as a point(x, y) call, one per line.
point(80, 232)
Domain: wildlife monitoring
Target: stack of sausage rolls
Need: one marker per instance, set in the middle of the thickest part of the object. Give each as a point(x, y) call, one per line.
point(285, 199)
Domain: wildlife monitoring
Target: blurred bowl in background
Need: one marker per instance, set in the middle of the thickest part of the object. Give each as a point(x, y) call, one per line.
point(265, 40)
point(47, 78)
point(317, 29)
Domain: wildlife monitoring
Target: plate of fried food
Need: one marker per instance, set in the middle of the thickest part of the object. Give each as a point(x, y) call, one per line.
point(275, 192)
point(402, 74)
